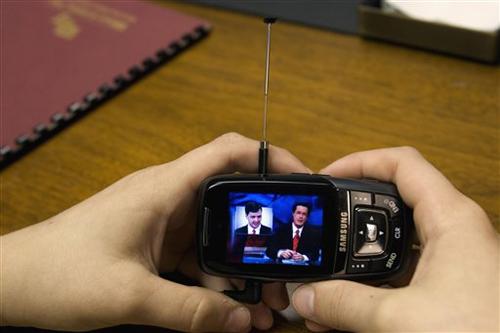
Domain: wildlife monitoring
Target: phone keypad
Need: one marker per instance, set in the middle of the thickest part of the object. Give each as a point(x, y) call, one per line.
point(370, 232)
point(377, 233)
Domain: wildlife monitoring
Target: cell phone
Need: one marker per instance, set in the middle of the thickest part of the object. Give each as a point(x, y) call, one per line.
point(299, 227)
point(349, 229)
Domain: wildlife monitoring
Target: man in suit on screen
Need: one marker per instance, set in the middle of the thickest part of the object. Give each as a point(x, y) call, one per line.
point(253, 212)
point(251, 236)
point(296, 241)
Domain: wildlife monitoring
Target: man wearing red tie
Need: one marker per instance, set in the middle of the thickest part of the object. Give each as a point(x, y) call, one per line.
point(296, 241)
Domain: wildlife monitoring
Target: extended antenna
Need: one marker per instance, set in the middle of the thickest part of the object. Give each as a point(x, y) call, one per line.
point(263, 150)
point(253, 288)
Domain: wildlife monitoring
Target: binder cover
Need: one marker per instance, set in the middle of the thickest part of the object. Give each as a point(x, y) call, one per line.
point(62, 58)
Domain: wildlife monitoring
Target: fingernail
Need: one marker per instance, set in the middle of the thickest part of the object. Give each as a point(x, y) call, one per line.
point(303, 301)
point(238, 320)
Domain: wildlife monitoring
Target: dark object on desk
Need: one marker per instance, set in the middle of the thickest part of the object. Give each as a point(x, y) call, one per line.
point(65, 58)
point(338, 15)
point(397, 28)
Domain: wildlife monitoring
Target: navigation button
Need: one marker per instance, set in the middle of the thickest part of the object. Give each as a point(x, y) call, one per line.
point(370, 232)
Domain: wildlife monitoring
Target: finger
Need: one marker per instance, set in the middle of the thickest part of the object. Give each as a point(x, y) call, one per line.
point(315, 327)
point(275, 295)
point(403, 166)
point(230, 153)
point(262, 317)
point(261, 314)
point(340, 304)
point(237, 284)
point(183, 308)
point(189, 267)
point(272, 294)
point(419, 183)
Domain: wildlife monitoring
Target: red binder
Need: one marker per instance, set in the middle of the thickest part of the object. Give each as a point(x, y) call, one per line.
point(62, 58)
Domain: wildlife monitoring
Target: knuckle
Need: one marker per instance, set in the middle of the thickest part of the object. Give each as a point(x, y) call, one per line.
point(199, 312)
point(472, 208)
point(409, 151)
point(384, 313)
point(337, 311)
point(129, 303)
point(282, 151)
point(134, 298)
point(137, 177)
point(232, 144)
point(230, 138)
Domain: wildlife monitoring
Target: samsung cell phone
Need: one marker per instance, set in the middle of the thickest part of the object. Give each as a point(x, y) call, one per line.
point(354, 229)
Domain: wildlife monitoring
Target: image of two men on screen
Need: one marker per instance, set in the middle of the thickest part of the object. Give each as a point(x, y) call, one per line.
point(275, 229)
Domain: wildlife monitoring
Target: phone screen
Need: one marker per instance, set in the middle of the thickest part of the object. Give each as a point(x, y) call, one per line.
point(275, 229)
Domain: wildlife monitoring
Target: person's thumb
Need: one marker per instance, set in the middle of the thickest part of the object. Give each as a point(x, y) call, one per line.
point(191, 309)
point(342, 305)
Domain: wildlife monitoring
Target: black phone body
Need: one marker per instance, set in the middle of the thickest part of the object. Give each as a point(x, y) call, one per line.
point(354, 229)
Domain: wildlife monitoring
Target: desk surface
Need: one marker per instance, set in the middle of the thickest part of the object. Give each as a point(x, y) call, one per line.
point(331, 94)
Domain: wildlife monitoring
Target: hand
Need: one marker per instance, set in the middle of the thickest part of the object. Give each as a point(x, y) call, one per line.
point(297, 256)
point(455, 285)
point(286, 254)
point(97, 263)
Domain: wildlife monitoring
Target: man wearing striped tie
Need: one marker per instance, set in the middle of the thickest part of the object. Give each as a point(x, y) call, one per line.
point(296, 241)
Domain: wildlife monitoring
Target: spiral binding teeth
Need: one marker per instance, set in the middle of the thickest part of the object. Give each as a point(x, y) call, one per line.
point(170, 51)
point(5, 151)
point(188, 38)
point(74, 108)
point(106, 90)
point(58, 118)
point(161, 55)
point(149, 64)
point(183, 43)
point(121, 82)
point(91, 99)
point(135, 72)
point(23, 140)
point(196, 35)
point(74, 111)
point(203, 30)
point(40, 129)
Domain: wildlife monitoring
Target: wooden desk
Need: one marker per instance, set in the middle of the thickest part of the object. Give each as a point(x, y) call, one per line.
point(331, 94)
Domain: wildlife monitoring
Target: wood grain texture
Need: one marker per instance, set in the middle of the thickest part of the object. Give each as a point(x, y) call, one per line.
point(330, 95)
